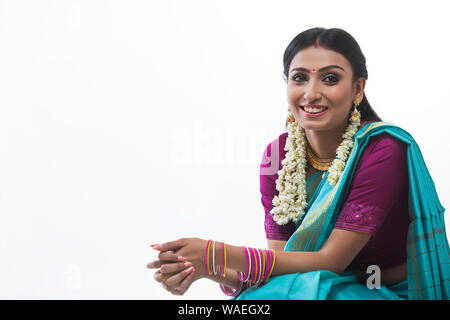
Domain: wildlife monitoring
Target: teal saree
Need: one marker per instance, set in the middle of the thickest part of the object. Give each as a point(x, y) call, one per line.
point(428, 254)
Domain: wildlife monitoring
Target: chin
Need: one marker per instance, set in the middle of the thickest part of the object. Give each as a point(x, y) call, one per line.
point(313, 125)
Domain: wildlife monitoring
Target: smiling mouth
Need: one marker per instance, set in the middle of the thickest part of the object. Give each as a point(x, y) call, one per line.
point(313, 110)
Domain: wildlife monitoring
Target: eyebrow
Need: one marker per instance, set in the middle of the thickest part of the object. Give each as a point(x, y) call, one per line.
point(322, 69)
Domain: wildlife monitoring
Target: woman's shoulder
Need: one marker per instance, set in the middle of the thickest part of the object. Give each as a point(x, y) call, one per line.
point(385, 142)
point(273, 156)
point(279, 143)
point(381, 140)
point(383, 150)
point(380, 130)
point(282, 137)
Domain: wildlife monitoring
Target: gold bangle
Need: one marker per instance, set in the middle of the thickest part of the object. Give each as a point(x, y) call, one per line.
point(207, 257)
point(224, 260)
point(273, 264)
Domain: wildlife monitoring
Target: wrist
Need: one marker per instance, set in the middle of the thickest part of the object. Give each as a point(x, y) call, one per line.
point(215, 259)
point(201, 267)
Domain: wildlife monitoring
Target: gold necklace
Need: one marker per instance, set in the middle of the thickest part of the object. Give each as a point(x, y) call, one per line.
point(315, 161)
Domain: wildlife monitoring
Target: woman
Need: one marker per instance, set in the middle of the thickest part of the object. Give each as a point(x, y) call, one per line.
point(343, 193)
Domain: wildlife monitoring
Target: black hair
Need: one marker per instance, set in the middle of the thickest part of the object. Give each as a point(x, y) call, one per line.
point(339, 41)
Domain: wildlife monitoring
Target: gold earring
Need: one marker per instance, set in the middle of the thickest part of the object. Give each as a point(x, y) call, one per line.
point(355, 113)
point(291, 117)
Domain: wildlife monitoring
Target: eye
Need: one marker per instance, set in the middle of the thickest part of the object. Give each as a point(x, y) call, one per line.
point(296, 76)
point(300, 77)
point(332, 77)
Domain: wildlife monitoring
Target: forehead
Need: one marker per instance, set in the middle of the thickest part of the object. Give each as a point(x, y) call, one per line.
point(317, 58)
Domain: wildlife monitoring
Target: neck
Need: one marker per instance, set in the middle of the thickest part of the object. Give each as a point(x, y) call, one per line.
point(325, 143)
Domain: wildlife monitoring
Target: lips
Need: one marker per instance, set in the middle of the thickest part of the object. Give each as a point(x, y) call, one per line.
point(321, 110)
point(317, 106)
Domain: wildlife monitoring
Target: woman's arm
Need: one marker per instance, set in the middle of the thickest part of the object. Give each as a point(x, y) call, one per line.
point(335, 255)
point(173, 272)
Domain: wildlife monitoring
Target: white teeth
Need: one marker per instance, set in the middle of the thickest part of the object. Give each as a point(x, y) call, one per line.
point(313, 110)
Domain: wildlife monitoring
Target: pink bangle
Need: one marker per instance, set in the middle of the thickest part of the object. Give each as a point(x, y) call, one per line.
point(257, 265)
point(253, 262)
point(235, 292)
point(263, 266)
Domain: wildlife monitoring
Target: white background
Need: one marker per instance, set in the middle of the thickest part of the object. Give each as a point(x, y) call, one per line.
point(125, 123)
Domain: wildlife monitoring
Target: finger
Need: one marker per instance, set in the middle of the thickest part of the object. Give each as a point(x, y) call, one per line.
point(171, 245)
point(174, 267)
point(159, 277)
point(165, 286)
point(170, 256)
point(177, 292)
point(184, 285)
point(174, 280)
point(154, 264)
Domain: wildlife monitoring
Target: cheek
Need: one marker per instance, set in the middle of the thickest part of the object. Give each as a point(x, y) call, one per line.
point(293, 93)
point(339, 94)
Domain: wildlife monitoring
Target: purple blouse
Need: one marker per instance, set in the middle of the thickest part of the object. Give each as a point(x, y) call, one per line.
point(377, 202)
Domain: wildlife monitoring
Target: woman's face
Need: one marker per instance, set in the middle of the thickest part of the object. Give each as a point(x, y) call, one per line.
point(331, 88)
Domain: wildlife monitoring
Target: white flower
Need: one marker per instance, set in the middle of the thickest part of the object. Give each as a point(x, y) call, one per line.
point(291, 182)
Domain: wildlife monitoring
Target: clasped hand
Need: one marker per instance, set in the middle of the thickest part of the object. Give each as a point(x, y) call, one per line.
point(179, 264)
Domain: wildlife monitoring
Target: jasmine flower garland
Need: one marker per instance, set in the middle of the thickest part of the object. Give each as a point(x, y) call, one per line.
point(290, 203)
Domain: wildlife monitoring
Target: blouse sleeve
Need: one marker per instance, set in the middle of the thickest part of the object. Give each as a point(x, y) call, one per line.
point(380, 178)
point(270, 165)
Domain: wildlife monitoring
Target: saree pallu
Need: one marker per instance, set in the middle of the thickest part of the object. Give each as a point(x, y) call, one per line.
point(428, 253)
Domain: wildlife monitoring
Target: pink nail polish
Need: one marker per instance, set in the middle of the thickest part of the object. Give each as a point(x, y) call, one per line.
point(193, 271)
point(189, 270)
point(187, 264)
point(180, 258)
point(156, 246)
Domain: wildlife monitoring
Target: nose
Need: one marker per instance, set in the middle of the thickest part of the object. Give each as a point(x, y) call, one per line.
point(311, 93)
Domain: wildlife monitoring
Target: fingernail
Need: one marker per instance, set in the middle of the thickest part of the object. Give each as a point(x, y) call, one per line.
point(189, 270)
point(187, 264)
point(180, 258)
point(156, 246)
point(193, 271)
